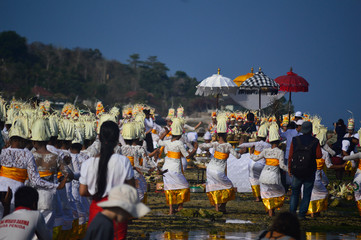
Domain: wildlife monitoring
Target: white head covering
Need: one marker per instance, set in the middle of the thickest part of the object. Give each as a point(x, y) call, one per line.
point(54, 125)
point(322, 135)
point(105, 117)
point(129, 131)
point(222, 123)
point(40, 131)
point(207, 136)
point(125, 197)
point(177, 126)
point(262, 131)
point(20, 127)
point(273, 133)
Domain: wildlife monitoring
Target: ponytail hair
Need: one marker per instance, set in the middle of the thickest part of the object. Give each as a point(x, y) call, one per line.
point(109, 138)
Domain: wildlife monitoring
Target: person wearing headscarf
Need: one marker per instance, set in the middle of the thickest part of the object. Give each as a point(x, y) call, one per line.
point(319, 195)
point(48, 164)
point(18, 164)
point(255, 168)
point(218, 186)
point(272, 191)
point(176, 187)
point(355, 159)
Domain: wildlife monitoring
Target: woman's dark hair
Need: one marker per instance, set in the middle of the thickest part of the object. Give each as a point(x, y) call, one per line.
point(76, 146)
point(128, 142)
point(292, 125)
point(26, 197)
point(340, 122)
point(287, 223)
point(222, 135)
point(109, 138)
point(250, 117)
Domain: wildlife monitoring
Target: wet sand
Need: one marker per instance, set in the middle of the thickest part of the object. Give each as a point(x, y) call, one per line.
point(341, 219)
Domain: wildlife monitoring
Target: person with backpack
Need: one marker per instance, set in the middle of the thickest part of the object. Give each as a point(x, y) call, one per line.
point(302, 165)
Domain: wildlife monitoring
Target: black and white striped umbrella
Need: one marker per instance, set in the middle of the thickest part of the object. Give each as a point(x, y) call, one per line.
point(259, 83)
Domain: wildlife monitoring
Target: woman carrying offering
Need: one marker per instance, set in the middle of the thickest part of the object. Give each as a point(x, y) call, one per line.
point(272, 191)
point(218, 187)
point(176, 187)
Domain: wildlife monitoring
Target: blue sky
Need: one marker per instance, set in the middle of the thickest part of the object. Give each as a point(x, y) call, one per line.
point(321, 39)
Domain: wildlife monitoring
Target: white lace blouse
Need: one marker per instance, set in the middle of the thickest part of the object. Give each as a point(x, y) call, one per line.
point(23, 159)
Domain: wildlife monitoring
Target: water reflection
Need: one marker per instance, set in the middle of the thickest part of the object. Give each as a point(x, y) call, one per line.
point(199, 235)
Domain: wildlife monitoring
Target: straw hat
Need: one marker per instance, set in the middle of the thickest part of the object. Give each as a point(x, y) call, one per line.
point(126, 198)
point(40, 131)
point(273, 133)
point(177, 126)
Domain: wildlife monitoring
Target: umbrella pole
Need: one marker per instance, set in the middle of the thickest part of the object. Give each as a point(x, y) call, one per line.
point(289, 108)
point(259, 103)
point(217, 99)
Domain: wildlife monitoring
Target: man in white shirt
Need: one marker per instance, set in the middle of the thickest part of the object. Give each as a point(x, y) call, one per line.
point(25, 221)
point(149, 124)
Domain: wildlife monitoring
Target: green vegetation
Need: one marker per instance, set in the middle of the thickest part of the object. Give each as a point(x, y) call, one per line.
point(66, 74)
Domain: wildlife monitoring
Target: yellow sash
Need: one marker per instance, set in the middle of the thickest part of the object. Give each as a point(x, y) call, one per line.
point(220, 155)
point(256, 152)
point(59, 175)
point(320, 163)
point(272, 161)
point(175, 155)
point(45, 173)
point(17, 174)
point(131, 159)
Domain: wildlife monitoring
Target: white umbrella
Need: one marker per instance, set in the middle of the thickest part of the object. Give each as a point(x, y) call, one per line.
point(216, 85)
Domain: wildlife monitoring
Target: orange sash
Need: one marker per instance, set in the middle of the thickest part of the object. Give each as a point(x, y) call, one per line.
point(169, 134)
point(175, 155)
point(131, 159)
point(272, 161)
point(256, 152)
point(320, 163)
point(17, 174)
point(59, 175)
point(141, 161)
point(359, 167)
point(220, 155)
point(45, 173)
point(154, 131)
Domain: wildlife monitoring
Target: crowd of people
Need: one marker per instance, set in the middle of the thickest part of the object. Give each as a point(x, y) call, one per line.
point(85, 171)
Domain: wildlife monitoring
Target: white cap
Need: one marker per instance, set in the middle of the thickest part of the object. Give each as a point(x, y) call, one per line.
point(125, 197)
point(298, 114)
point(299, 122)
point(207, 136)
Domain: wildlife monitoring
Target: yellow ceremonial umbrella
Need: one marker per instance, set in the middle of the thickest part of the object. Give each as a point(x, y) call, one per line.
point(240, 79)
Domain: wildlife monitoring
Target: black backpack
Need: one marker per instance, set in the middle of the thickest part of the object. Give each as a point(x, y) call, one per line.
point(303, 159)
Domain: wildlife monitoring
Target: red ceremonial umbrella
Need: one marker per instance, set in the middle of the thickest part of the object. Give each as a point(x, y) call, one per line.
point(292, 83)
